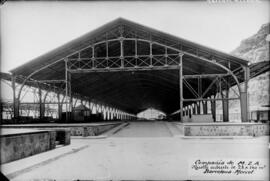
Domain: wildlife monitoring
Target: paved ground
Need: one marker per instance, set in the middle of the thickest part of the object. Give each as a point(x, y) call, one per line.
point(144, 129)
point(143, 151)
point(11, 131)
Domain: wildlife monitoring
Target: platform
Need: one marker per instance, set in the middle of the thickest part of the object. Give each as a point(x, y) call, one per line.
point(139, 151)
point(20, 143)
point(76, 129)
point(225, 129)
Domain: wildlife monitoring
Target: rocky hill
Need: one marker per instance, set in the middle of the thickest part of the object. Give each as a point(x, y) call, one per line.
point(254, 49)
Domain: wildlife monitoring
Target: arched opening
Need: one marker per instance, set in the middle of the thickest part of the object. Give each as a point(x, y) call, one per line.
point(151, 114)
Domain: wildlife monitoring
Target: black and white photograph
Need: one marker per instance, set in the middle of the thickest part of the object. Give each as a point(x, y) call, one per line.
point(135, 90)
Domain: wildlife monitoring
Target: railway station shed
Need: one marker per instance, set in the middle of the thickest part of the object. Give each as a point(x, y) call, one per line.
point(123, 68)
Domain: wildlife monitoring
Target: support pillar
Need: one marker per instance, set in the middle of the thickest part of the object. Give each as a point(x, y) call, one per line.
point(71, 106)
point(59, 107)
point(204, 104)
point(225, 107)
point(244, 96)
point(198, 104)
point(181, 85)
point(225, 103)
point(193, 109)
point(102, 112)
point(107, 113)
point(15, 101)
point(189, 112)
point(68, 92)
point(90, 109)
point(1, 111)
point(213, 108)
point(41, 105)
point(112, 113)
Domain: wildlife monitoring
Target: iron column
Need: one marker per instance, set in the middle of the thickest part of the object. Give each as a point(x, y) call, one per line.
point(181, 85)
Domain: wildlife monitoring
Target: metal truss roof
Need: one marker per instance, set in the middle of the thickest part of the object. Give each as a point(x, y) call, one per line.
point(93, 57)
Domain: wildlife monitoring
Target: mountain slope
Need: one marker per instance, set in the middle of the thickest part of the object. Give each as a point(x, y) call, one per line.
point(255, 48)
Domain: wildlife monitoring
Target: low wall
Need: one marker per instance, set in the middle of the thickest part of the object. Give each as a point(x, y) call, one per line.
point(199, 118)
point(91, 130)
point(226, 129)
point(20, 145)
point(84, 129)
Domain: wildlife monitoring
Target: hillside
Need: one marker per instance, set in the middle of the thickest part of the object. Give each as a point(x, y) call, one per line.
point(254, 49)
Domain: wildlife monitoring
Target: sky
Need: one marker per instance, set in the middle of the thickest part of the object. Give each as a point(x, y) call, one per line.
point(30, 29)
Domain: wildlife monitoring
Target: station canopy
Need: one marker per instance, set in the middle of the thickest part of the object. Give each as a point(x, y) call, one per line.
point(111, 65)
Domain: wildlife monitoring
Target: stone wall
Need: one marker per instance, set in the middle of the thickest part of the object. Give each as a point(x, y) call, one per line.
point(17, 146)
point(91, 130)
point(84, 129)
point(226, 129)
point(200, 118)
